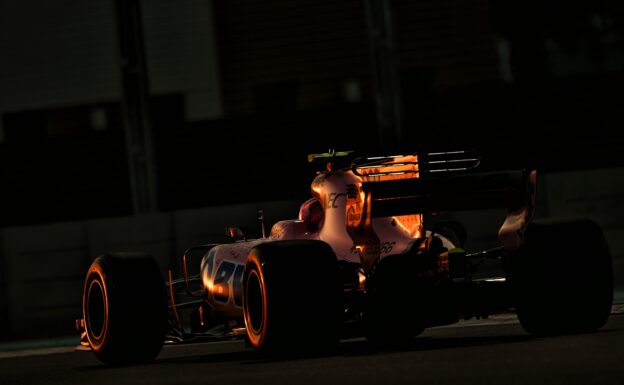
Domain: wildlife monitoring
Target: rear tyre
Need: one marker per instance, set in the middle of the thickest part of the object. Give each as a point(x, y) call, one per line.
point(125, 308)
point(292, 297)
point(562, 278)
point(394, 306)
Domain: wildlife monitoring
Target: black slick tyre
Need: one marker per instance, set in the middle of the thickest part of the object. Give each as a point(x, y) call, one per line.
point(125, 308)
point(393, 315)
point(562, 278)
point(292, 297)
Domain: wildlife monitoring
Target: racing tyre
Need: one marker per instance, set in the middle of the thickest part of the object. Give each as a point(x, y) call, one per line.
point(391, 319)
point(124, 308)
point(292, 297)
point(562, 278)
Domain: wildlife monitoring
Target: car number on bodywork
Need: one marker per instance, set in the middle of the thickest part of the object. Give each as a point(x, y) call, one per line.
point(223, 279)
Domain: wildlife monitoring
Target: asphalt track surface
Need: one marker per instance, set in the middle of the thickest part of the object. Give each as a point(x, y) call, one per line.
point(493, 351)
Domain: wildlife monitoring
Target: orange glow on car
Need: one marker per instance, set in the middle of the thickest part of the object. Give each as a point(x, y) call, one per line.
point(362, 279)
point(207, 283)
point(399, 167)
point(411, 224)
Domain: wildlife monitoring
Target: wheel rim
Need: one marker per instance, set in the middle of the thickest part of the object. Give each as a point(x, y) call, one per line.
point(254, 302)
point(96, 310)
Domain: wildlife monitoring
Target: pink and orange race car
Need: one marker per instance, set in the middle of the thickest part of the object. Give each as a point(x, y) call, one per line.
point(360, 260)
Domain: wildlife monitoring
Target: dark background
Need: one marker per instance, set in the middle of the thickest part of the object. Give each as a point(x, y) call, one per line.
point(527, 83)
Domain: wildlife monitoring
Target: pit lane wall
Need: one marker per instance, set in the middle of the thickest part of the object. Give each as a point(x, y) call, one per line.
point(42, 267)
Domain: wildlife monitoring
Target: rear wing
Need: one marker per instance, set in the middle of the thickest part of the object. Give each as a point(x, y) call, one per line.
point(506, 189)
point(393, 167)
point(428, 182)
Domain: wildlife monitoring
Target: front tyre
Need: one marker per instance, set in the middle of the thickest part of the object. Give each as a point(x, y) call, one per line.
point(562, 278)
point(292, 297)
point(125, 308)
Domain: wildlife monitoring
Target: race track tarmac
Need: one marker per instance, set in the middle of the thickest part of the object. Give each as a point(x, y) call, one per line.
point(493, 351)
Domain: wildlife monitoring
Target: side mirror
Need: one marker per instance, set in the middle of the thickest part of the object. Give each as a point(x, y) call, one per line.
point(311, 213)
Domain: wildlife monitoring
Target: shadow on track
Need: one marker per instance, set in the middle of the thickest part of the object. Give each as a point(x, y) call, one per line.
point(347, 348)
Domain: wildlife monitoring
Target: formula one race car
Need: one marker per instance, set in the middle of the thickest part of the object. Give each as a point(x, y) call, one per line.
point(359, 261)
